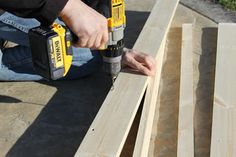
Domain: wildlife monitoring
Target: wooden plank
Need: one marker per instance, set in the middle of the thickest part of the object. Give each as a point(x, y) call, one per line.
point(149, 107)
point(185, 147)
point(163, 140)
point(223, 141)
point(164, 137)
point(107, 134)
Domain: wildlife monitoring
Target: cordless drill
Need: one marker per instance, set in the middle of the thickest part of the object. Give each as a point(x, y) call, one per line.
point(52, 46)
point(112, 55)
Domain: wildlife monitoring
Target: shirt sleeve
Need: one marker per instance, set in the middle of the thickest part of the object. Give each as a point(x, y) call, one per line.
point(46, 11)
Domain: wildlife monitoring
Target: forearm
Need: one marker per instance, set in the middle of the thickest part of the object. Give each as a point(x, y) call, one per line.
point(46, 11)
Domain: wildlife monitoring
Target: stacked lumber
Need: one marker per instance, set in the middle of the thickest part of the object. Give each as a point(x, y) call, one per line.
point(223, 140)
point(109, 130)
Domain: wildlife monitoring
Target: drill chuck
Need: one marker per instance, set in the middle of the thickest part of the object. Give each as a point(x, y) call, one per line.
point(112, 65)
point(112, 57)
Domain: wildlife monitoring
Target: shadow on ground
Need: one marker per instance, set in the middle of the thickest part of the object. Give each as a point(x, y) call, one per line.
point(204, 93)
point(8, 99)
point(61, 125)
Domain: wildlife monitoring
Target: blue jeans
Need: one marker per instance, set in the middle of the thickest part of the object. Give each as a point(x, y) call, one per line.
point(16, 62)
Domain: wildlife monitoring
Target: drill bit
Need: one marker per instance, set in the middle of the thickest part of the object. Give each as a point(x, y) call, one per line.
point(113, 78)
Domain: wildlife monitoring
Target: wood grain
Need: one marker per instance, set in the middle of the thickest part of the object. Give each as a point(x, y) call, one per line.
point(223, 142)
point(149, 107)
point(109, 130)
point(185, 147)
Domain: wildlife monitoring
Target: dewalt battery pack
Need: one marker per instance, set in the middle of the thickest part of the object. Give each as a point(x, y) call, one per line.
point(51, 50)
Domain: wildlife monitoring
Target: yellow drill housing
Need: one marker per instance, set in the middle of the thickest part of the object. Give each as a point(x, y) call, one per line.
point(118, 17)
point(112, 55)
point(51, 50)
point(66, 59)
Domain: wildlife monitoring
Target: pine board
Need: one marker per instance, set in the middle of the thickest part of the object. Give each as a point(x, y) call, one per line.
point(107, 134)
point(223, 141)
point(185, 147)
point(149, 107)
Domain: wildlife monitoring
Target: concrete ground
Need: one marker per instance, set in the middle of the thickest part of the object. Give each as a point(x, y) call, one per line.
point(47, 119)
point(213, 11)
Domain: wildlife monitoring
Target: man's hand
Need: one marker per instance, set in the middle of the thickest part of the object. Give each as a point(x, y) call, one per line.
point(86, 23)
point(139, 62)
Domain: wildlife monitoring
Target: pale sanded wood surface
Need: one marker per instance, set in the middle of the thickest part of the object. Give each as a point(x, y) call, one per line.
point(110, 128)
point(185, 147)
point(149, 106)
point(223, 143)
point(164, 137)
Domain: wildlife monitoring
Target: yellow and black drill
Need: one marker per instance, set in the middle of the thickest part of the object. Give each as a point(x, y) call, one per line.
point(52, 46)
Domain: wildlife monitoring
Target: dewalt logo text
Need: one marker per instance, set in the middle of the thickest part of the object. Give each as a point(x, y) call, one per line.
point(57, 50)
